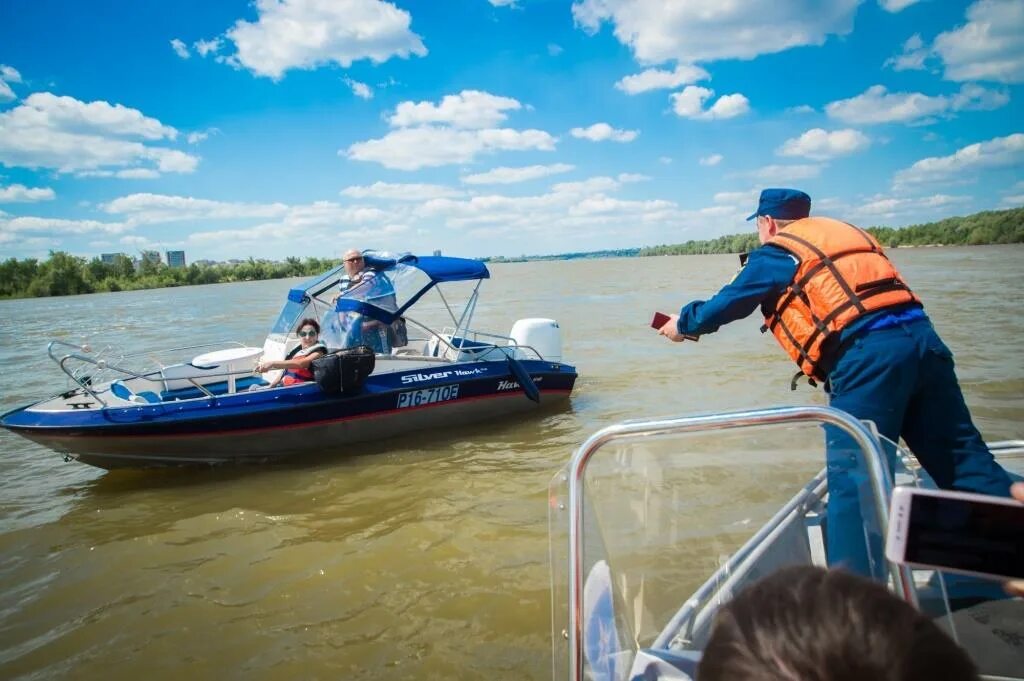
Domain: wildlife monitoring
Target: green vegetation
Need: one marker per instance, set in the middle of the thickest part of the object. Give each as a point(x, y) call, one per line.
point(63, 274)
point(987, 227)
point(618, 253)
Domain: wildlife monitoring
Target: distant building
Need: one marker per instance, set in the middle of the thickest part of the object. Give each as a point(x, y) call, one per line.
point(175, 258)
point(437, 253)
point(109, 258)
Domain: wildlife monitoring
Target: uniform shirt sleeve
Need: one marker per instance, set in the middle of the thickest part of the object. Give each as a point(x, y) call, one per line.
point(769, 270)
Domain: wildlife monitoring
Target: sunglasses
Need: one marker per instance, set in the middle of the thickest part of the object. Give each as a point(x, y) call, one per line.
point(359, 259)
point(307, 334)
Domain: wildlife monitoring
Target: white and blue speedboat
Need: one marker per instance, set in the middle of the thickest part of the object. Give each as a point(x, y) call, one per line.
point(206, 404)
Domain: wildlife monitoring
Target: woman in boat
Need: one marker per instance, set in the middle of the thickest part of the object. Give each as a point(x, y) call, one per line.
point(298, 363)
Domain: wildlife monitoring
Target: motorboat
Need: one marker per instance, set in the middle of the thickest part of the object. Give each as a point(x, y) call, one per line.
point(656, 524)
point(206, 404)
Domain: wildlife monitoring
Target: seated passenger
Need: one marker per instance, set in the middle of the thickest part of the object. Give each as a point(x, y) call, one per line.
point(298, 364)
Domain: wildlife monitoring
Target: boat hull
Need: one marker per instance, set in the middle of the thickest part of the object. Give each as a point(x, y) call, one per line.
point(272, 424)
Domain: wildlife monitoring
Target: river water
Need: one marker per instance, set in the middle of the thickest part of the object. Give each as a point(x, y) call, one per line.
point(418, 557)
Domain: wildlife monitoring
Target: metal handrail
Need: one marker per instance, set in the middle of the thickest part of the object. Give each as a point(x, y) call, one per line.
point(878, 473)
point(451, 332)
point(104, 364)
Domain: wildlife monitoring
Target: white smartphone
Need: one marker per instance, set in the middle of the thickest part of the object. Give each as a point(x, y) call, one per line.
point(973, 534)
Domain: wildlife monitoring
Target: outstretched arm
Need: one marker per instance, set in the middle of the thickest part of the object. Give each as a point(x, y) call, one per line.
point(768, 272)
point(295, 363)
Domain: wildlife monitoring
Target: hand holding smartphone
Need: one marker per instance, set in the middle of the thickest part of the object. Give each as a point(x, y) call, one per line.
point(660, 319)
point(973, 534)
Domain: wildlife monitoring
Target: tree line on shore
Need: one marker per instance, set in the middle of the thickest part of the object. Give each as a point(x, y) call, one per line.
point(65, 274)
point(987, 227)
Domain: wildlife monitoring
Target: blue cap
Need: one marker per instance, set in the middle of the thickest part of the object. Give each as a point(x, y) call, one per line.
point(783, 204)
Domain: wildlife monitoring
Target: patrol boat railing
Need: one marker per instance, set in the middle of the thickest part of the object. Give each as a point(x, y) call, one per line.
point(874, 456)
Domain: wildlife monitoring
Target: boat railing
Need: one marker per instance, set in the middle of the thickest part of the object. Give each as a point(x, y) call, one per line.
point(84, 354)
point(488, 348)
point(866, 441)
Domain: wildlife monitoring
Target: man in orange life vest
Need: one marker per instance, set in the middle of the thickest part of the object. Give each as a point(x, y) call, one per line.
point(841, 310)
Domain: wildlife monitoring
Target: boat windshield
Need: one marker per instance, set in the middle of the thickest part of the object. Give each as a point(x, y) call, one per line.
point(674, 525)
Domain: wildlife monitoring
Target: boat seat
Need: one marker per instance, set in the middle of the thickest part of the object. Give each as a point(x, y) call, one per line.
point(219, 388)
point(125, 393)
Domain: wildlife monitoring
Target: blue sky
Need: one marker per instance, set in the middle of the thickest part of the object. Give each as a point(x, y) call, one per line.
point(283, 128)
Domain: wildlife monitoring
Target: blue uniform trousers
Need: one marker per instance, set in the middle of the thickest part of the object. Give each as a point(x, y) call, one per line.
point(901, 378)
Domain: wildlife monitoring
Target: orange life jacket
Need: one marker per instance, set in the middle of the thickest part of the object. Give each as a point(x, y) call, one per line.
point(842, 274)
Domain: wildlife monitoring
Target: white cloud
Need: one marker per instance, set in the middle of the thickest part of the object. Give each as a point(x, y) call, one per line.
point(415, 148)
point(320, 219)
point(49, 110)
point(361, 90)
point(401, 191)
point(658, 79)
point(990, 46)
point(567, 207)
point(913, 56)
point(198, 136)
point(31, 224)
point(554, 49)
point(47, 131)
point(1013, 200)
point(127, 174)
point(9, 74)
point(592, 185)
point(468, 109)
point(741, 199)
point(801, 109)
point(819, 144)
point(690, 104)
point(502, 3)
point(896, 5)
point(423, 138)
point(180, 49)
point(305, 34)
point(19, 193)
point(876, 105)
point(600, 132)
point(890, 207)
point(148, 208)
point(707, 30)
point(506, 175)
point(999, 152)
point(782, 173)
point(712, 160)
point(205, 47)
point(137, 174)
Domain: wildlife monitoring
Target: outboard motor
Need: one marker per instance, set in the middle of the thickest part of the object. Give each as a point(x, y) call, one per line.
point(543, 335)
